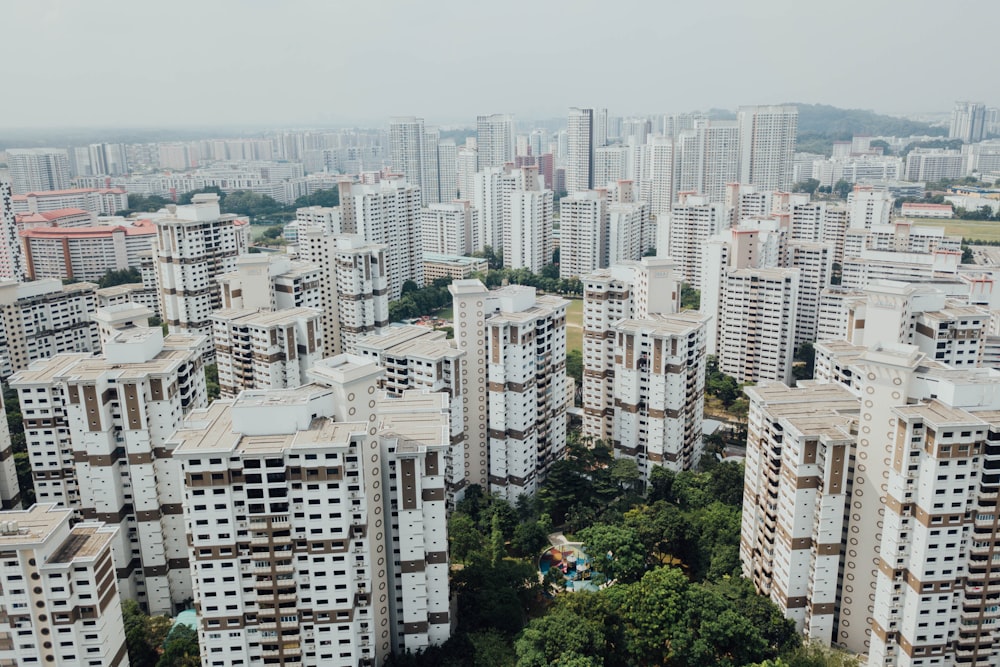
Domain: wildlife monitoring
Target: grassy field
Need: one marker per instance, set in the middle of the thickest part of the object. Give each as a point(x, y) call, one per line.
point(574, 325)
point(983, 230)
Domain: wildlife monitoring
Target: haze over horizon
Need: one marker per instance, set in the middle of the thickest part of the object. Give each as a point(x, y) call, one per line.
point(257, 63)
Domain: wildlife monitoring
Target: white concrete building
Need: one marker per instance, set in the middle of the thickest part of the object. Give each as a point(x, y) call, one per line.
point(417, 358)
point(388, 213)
point(96, 431)
point(38, 169)
point(630, 232)
point(43, 318)
point(878, 544)
point(580, 135)
point(195, 246)
point(525, 338)
point(934, 164)
point(659, 390)
point(495, 140)
point(265, 349)
point(60, 598)
point(968, 122)
point(86, 253)
point(516, 423)
point(467, 166)
point(814, 262)
point(583, 233)
point(341, 493)
point(709, 158)
point(756, 324)
point(271, 282)
point(354, 284)
point(767, 143)
point(658, 181)
point(868, 207)
point(107, 201)
point(691, 222)
point(413, 154)
point(449, 229)
point(12, 264)
point(528, 240)
point(630, 290)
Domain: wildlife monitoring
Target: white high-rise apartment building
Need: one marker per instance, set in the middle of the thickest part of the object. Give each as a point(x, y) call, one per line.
point(447, 170)
point(708, 159)
point(630, 232)
point(413, 152)
point(96, 431)
point(271, 282)
point(756, 324)
point(12, 265)
point(388, 213)
point(42, 318)
point(527, 387)
point(893, 557)
point(693, 221)
point(265, 349)
point(657, 185)
point(515, 216)
point(38, 169)
point(814, 262)
point(466, 168)
point(495, 140)
point(611, 164)
point(868, 207)
point(194, 247)
point(659, 390)
point(767, 144)
point(580, 147)
point(583, 233)
point(528, 240)
point(516, 425)
point(60, 599)
point(449, 229)
point(341, 493)
point(417, 358)
point(968, 122)
point(626, 291)
point(354, 280)
point(934, 164)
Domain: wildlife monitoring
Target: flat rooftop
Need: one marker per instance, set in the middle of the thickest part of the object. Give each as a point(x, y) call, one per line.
point(84, 541)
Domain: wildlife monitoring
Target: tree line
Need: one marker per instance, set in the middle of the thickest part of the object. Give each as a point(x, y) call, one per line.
point(261, 209)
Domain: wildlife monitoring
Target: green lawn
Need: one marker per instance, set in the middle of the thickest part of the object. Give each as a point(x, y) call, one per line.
point(983, 230)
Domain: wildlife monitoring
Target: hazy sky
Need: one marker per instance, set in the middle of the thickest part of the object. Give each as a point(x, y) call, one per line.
point(227, 62)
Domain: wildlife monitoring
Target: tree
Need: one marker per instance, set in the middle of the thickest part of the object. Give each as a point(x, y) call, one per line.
point(272, 232)
point(463, 536)
point(529, 538)
point(327, 198)
point(145, 635)
point(615, 551)
point(181, 648)
point(809, 185)
point(491, 649)
point(114, 277)
point(690, 297)
point(843, 188)
point(805, 356)
point(212, 381)
point(560, 637)
point(144, 204)
point(574, 366)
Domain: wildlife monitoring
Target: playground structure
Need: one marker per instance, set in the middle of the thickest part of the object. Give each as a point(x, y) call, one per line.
point(573, 562)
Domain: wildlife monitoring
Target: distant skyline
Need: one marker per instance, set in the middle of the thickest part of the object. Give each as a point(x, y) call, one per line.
point(116, 63)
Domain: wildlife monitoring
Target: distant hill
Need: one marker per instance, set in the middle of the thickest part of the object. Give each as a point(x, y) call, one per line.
point(845, 123)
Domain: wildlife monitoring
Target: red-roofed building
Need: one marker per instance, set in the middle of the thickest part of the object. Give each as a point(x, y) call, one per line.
point(63, 217)
point(85, 253)
point(918, 210)
point(98, 202)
